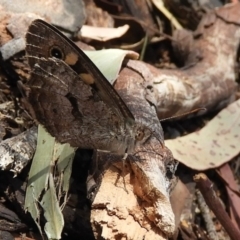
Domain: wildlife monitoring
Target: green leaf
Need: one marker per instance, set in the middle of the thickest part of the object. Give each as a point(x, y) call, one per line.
point(109, 61)
point(41, 189)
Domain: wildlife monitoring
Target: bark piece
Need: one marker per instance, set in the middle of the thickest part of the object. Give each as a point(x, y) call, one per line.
point(16, 152)
point(209, 81)
point(146, 207)
point(9, 220)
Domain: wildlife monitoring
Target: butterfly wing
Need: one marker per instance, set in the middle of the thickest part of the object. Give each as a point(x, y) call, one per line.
point(69, 95)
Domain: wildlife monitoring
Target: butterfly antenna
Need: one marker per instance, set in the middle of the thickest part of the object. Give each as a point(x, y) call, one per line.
point(184, 114)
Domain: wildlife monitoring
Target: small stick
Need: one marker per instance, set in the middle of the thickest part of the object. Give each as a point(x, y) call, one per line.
point(184, 114)
point(206, 216)
point(205, 186)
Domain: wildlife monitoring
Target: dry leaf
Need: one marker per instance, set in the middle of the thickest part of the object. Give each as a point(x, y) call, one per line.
point(226, 174)
point(212, 146)
point(103, 34)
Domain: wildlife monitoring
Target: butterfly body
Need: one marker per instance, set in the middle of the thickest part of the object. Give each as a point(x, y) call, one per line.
point(72, 99)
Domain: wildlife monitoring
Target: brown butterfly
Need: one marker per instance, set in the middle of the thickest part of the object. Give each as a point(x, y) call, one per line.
point(72, 99)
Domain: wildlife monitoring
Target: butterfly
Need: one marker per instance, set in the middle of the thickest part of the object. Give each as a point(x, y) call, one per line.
point(73, 100)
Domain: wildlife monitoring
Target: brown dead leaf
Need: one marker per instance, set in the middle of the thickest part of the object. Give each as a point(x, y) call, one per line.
point(178, 200)
point(212, 146)
point(226, 174)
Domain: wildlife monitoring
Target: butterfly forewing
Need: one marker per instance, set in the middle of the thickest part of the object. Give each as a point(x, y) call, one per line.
point(43, 39)
point(70, 96)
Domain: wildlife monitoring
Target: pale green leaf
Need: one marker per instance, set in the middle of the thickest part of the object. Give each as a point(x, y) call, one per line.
point(40, 185)
point(109, 61)
point(52, 212)
point(39, 172)
point(64, 165)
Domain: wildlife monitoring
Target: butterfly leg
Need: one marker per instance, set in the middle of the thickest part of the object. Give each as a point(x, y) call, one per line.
point(123, 171)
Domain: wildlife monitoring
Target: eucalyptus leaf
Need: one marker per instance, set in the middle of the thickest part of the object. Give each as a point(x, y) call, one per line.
point(109, 61)
point(39, 172)
point(41, 189)
point(213, 145)
point(52, 212)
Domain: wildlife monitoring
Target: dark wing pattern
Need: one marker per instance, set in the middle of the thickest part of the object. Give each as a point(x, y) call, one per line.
point(70, 96)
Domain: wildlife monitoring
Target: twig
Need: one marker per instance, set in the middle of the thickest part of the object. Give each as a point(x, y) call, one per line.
point(206, 216)
point(205, 186)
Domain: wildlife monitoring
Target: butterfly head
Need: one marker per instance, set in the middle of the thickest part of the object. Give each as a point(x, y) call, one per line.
point(137, 135)
point(128, 137)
